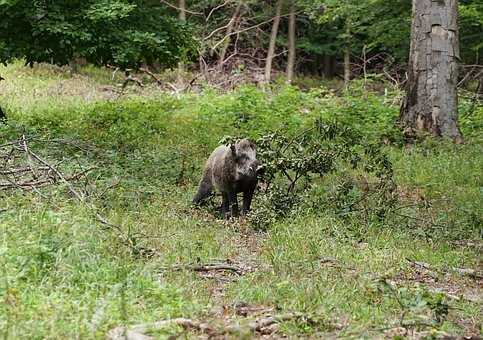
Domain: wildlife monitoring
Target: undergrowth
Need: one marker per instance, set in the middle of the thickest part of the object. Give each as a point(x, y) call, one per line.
point(342, 204)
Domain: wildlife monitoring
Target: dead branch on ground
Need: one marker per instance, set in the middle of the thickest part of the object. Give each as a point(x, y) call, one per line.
point(208, 267)
point(23, 169)
point(263, 325)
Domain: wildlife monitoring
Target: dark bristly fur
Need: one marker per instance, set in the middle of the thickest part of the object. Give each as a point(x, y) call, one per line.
point(230, 170)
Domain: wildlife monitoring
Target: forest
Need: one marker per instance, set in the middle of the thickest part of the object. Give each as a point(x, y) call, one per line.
point(241, 169)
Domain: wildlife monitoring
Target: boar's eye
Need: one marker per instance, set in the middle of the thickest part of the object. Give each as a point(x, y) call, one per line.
point(241, 158)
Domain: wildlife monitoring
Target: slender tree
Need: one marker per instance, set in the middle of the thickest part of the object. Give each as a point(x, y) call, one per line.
point(291, 43)
point(182, 18)
point(182, 10)
point(229, 30)
point(273, 40)
point(431, 102)
point(347, 52)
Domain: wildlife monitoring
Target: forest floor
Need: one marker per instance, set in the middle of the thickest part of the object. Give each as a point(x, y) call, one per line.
point(112, 247)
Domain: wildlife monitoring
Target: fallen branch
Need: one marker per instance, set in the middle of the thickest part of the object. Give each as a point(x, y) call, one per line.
point(152, 75)
point(20, 170)
point(207, 267)
point(261, 325)
point(59, 174)
point(29, 157)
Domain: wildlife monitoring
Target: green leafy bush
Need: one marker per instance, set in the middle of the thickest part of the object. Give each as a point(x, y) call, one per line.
point(293, 166)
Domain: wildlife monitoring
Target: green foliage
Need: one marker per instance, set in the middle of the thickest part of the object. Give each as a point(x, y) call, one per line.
point(121, 33)
point(382, 26)
point(64, 275)
point(418, 301)
point(308, 158)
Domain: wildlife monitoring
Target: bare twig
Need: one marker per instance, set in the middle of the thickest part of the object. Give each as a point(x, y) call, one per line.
point(217, 8)
point(59, 174)
point(179, 9)
point(241, 31)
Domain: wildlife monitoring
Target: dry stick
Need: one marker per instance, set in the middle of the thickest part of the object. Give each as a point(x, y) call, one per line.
point(152, 75)
point(25, 185)
point(207, 267)
point(99, 217)
point(138, 331)
point(216, 8)
point(59, 174)
point(20, 170)
point(8, 144)
point(219, 29)
point(29, 157)
point(235, 52)
point(179, 9)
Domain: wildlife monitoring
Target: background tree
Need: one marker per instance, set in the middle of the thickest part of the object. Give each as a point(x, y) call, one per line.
point(431, 102)
point(291, 43)
point(234, 34)
point(273, 41)
point(121, 33)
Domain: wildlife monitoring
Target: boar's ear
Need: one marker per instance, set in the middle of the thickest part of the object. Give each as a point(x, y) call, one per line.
point(233, 150)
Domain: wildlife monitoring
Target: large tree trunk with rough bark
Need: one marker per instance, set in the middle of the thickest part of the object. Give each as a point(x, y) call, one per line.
point(273, 40)
point(431, 102)
point(291, 43)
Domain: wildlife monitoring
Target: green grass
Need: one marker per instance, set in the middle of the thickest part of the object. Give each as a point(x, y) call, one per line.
point(64, 275)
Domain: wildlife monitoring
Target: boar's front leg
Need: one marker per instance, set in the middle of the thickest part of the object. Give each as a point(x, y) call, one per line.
point(225, 204)
point(233, 203)
point(247, 199)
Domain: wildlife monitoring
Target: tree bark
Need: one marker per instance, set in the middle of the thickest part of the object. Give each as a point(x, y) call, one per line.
point(182, 10)
point(347, 54)
point(182, 18)
point(229, 30)
point(329, 66)
point(273, 40)
point(291, 43)
point(431, 102)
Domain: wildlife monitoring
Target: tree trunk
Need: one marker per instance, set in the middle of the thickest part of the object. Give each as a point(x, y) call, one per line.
point(273, 40)
point(229, 30)
point(182, 10)
point(291, 43)
point(431, 102)
point(347, 54)
point(329, 67)
point(182, 18)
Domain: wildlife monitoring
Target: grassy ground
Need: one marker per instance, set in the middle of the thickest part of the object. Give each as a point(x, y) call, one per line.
point(65, 275)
